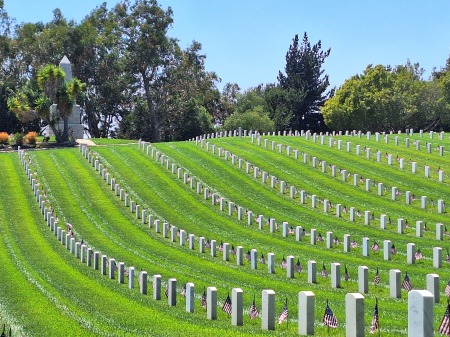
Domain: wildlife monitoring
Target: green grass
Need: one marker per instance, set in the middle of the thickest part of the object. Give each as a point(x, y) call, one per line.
point(43, 275)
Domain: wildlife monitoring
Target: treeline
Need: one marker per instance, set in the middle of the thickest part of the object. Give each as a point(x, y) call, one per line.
point(385, 98)
point(137, 82)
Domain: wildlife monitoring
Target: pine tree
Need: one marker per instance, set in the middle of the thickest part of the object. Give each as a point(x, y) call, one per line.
point(304, 82)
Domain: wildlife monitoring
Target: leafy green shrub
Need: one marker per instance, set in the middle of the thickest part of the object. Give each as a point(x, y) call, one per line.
point(31, 138)
point(4, 138)
point(17, 139)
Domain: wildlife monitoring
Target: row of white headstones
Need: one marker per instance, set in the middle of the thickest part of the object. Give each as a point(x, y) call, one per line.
point(314, 200)
point(354, 301)
point(187, 178)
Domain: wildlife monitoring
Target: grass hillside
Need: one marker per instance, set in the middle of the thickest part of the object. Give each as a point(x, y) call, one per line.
point(45, 290)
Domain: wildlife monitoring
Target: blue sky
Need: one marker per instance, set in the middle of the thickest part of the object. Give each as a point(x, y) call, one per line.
point(245, 41)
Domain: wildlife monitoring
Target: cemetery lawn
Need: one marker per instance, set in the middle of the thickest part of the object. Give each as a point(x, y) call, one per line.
point(46, 290)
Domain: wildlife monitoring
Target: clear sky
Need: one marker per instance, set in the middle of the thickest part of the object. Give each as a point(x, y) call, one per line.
point(246, 41)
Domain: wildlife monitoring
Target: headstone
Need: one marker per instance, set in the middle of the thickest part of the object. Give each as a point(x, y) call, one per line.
point(383, 221)
point(411, 253)
point(239, 255)
point(190, 297)
point(172, 295)
point(121, 272)
point(268, 310)
point(201, 244)
point(237, 307)
point(313, 236)
point(191, 241)
point(395, 283)
point(335, 275)
point(306, 308)
point(346, 243)
point(433, 286)
point(131, 277)
point(365, 246)
point(213, 248)
point(400, 225)
point(211, 303)
point(96, 259)
point(437, 257)
point(157, 287)
point(354, 315)
point(312, 271)
point(387, 245)
point(112, 268)
point(254, 258)
point(329, 239)
point(363, 279)
point(419, 229)
point(271, 263)
point(143, 283)
point(441, 206)
point(420, 313)
point(439, 231)
point(290, 266)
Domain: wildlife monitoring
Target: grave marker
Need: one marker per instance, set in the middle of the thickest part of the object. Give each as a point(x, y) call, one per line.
point(420, 313)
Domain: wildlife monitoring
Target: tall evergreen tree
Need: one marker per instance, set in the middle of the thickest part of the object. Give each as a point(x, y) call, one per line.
point(304, 82)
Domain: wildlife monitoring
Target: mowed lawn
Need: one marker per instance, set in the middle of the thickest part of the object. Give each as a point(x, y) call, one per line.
point(41, 275)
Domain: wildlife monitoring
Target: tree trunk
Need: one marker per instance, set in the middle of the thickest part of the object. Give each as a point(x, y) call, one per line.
point(154, 122)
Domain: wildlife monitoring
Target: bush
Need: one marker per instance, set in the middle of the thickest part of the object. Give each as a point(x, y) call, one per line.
point(17, 139)
point(4, 138)
point(31, 138)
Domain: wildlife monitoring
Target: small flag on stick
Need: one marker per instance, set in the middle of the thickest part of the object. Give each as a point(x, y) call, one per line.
point(406, 284)
point(329, 319)
point(253, 310)
point(284, 315)
point(227, 305)
point(375, 319)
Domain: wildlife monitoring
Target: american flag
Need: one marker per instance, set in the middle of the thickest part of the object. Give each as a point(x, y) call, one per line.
point(406, 284)
point(220, 248)
point(444, 328)
point(247, 256)
point(448, 256)
point(284, 315)
point(204, 299)
point(208, 244)
point(353, 244)
point(291, 230)
point(283, 263)
point(375, 320)
point(233, 250)
point(336, 241)
point(253, 310)
point(377, 278)
point(183, 291)
point(262, 260)
point(329, 319)
point(347, 275)
point(375, 247)
point(227, 305)
point(393, 249)
point(167, 292)
point(447, 289)
point(320, 238)
point(324, 271)
point(418, 254)
point(298, 266)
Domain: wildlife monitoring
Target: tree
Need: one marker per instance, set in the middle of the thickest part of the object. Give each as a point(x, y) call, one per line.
point(30, 105)
point(383, 98)
point(148, 52)
point(304, 83)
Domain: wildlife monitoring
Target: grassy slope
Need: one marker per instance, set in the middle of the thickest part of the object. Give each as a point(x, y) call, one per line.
point(81, 197)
